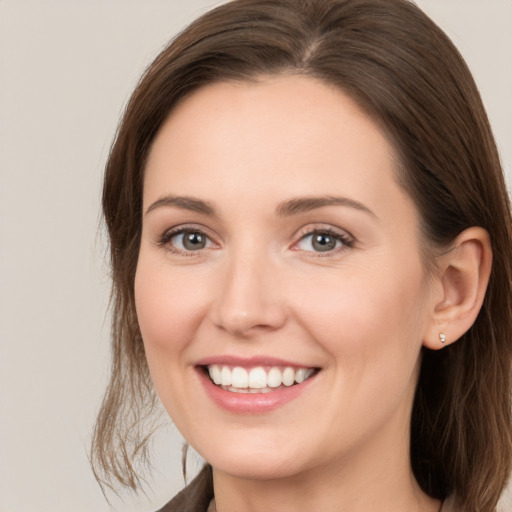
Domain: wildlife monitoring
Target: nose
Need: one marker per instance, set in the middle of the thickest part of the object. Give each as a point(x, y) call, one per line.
point(249, 299)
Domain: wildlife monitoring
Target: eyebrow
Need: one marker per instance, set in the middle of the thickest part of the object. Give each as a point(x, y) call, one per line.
point(287, 208)
point(306, 204)
point(183, 203)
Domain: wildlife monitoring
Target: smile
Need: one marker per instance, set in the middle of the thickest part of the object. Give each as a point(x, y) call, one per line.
point(258, 379)
point(256, 385)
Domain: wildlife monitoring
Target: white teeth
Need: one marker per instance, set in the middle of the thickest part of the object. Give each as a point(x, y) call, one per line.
point(274, 378)
point(225, 376)
point(215, 374)
point(257, 380)
point(239, 377)
point(288, 376)
point(302, 374)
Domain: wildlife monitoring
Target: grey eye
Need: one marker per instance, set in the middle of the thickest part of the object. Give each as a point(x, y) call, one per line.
point(322, 242)
point(190, 240)
point(319, 241)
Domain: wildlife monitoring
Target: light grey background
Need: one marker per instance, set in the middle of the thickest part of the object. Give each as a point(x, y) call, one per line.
point(66, 70)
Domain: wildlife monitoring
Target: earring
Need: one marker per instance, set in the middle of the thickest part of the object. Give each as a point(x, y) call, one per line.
point(442, 338)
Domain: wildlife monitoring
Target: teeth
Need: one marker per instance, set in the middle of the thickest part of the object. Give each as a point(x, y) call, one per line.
point(225, 376)
point(301, 375)
point(215, 374)
point(274, 378)
point(239, 377)
point(288, 376)
point(257, 380)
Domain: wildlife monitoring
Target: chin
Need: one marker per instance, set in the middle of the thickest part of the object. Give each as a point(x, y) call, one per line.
point(262, 469)
point(253, 461)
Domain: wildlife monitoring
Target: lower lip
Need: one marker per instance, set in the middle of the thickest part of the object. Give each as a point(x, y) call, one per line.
point(252, 403)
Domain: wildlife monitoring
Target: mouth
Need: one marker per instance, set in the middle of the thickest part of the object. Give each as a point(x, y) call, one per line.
point(257, 379)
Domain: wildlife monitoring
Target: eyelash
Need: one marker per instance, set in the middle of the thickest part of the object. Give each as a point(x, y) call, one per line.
point(165, 239)
point(346, 241)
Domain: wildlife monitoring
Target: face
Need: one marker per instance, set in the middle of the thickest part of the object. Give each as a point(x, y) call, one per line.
point(280, 289)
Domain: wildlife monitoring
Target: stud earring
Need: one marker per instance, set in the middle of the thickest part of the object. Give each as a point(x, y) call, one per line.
point(442, 338)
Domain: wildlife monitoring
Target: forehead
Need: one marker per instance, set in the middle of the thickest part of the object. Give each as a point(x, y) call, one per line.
point(280, 128)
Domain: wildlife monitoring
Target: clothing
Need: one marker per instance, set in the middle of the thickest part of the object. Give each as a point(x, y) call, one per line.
point(198, 496)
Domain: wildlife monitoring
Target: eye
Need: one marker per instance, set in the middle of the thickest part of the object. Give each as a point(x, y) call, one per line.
point(190, 240)
point(185, 240)
point(323, 241)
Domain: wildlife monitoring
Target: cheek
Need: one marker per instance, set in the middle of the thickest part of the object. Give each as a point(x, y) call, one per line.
point(371, 328)
point(364, 316)
point(170, 308)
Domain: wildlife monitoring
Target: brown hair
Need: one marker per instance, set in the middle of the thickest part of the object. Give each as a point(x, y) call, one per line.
point(404, 71)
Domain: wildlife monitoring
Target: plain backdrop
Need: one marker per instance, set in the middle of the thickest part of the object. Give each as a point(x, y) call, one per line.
point(67, 68)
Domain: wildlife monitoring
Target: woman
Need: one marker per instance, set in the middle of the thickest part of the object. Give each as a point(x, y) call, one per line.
point(310, 239)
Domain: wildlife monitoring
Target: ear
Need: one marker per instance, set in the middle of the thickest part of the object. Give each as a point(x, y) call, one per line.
point(459, 288)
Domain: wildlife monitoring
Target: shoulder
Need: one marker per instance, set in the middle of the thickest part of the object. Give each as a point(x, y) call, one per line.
point(195, 497)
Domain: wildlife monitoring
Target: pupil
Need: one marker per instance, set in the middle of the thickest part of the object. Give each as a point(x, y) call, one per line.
point(323, 243)
point(194, 241)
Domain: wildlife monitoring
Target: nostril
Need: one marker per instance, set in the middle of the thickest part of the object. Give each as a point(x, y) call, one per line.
point(247, 300)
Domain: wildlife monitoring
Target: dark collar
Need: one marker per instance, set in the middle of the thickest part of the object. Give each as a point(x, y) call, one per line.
point(196, 496)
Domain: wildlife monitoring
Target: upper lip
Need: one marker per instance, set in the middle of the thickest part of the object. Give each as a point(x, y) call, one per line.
point(249, 362)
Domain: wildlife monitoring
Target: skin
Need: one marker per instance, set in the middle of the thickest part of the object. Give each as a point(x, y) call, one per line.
point(360, 312)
